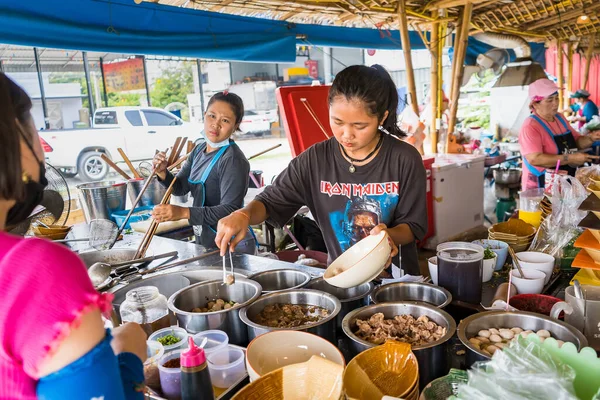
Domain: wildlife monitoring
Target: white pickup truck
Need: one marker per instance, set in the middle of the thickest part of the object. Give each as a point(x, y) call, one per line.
point(139, 131)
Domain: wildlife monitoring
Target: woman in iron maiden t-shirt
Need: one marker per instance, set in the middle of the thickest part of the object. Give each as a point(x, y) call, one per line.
point(359, 182)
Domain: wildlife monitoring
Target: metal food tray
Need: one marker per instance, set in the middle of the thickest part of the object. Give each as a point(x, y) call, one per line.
point(226, 395)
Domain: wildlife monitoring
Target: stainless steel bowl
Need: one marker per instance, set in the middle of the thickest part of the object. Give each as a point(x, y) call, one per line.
point(108, 256)
point(277, 280)
point(100, 199)
point(351, 298)
point(433, 357)
point(412, 291)
point(469, 327)
point(243, 292)
point(324, 328)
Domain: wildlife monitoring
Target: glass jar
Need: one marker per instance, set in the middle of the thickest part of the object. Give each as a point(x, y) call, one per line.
point(147, 307)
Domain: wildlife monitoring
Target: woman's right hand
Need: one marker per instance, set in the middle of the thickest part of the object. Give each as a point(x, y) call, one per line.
point(130, 338)
point(231, 230)
point(159, 162)
point(578, 159)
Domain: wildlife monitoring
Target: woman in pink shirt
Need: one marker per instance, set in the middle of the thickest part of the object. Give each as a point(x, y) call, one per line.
point(53, 344)
point(547, 138)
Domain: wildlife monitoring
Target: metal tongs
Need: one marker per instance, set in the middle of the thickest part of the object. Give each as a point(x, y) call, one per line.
point(228, 279)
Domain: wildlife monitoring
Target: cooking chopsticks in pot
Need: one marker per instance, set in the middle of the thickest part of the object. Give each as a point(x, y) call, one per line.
point(114, 166)
point(129, 164)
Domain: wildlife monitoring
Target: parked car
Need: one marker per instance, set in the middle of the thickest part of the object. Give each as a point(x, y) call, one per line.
point(139, 131)
point(254, 123)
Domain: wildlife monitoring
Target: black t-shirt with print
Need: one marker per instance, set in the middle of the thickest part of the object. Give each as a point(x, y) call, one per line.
point(390, 189)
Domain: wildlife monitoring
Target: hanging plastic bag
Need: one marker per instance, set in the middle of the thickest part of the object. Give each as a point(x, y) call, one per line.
point(409, 123)
point(560, 227)
point(522, 371)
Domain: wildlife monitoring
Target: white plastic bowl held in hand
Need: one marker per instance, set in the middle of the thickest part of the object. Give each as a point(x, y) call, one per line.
point(488, 269)
point(533, 283)
point(433, 269)
point(361, 263)
point(536, 260)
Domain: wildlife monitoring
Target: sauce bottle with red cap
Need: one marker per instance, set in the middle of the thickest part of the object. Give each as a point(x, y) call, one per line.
point(195, 378)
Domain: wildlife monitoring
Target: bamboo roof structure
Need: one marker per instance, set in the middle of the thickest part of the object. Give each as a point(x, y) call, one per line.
point(535, 20)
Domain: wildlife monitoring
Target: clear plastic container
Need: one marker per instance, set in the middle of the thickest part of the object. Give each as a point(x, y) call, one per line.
point(226, 366)
point(216, 340)
point(155, 351)
point(170, 378)
point(147, 307)
point(175, 331)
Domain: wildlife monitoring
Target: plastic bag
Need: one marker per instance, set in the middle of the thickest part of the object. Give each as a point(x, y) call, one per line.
point(524, 370)
point(585, 174)
point(593, 125)
point(560, 227)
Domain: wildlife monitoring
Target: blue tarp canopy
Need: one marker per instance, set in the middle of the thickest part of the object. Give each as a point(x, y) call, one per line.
point(121, 26)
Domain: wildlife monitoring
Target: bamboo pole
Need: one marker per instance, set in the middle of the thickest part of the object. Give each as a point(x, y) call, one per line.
point(434, 49)
point(588, 61)
point(442, 35)
point(460, 68)
point(405, 39)
point(457, 41)
point(560, 73)
point(569, 69)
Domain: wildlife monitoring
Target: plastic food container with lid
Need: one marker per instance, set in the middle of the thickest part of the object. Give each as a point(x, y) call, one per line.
point(215, 340)
point(176, 331)
point(226, 366)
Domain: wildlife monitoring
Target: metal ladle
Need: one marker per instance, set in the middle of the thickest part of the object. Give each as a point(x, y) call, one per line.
point(100, 271)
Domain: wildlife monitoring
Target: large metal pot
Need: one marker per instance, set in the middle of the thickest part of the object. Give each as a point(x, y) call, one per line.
point(277, 280)
point(469, 327)
point(433, 357)
point(507, 176)
point(243, 292)
point(100, 199)
point(412, 291)
point(108, 256)
point(153, 194)
point(351, 298)
point(324, 328)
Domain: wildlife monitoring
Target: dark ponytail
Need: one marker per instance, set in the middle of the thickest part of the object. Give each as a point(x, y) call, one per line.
point(15, 105)
point(235, 101)
point(375, 88)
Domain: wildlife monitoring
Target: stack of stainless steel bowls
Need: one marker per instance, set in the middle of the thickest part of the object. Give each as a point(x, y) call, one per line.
point(243, 292)
point(276, 280)
point(433, 357)
point(324, 328)
point(412, 291)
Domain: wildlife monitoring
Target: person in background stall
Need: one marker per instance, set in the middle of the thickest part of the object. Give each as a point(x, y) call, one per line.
point(584, 108)
point(342, 178)
point(546, 138)
point(53, 344)
point(216, 173)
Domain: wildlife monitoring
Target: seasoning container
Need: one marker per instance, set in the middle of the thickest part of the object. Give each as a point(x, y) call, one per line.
point(147, 307)
point(226, 366)
point(195, 378)
point(155, 351)
point(171, 334)
point(460, 269)
point(169, 369)
point(215, 340)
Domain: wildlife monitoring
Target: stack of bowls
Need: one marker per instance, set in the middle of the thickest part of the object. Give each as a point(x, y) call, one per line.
point(516, 233)
point(387, 370)
point(52, 232)
point(497, 246)
point(534, 260)
point(546, 207)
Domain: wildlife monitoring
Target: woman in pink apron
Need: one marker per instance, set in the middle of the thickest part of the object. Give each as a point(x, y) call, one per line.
point(546, 137)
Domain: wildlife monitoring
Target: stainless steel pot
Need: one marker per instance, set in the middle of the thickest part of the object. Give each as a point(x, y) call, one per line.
point(324, 328)
point(108, 256)
point(351, 298)
point(433, 357)
point(412, 291)
point(152, 196)
point(277, 280)
point(100, 199)
point(507, 176)
point(469, 327)
point(243, 292)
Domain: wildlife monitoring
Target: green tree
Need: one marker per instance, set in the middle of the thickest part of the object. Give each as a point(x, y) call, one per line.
point(173, 85)
point(123, 99)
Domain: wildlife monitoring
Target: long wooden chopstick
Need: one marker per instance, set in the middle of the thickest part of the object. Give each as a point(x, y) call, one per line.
point(114, 166)
point(129, 164)
point(190, 146)
point(179, 149)
point(171, 158)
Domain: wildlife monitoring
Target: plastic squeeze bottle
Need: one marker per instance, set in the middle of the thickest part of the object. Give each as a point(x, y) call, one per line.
point(195, 378)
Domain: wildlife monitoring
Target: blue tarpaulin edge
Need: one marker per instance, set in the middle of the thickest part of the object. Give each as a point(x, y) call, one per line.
point(121, 26)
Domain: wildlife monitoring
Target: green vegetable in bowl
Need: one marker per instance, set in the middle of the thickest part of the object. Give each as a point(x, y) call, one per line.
point(488, 254)
point(168, 340)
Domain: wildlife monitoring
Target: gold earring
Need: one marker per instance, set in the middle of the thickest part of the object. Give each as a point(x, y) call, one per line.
point(25, 178)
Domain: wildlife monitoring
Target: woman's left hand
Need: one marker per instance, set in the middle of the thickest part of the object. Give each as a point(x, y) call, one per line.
point(377, 230)
point(169, 212)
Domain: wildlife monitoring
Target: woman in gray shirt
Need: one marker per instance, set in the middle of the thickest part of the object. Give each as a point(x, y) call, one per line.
point(216, 173)
point(359, 182)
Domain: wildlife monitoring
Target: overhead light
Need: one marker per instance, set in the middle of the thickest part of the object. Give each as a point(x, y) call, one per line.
point(583, 19)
